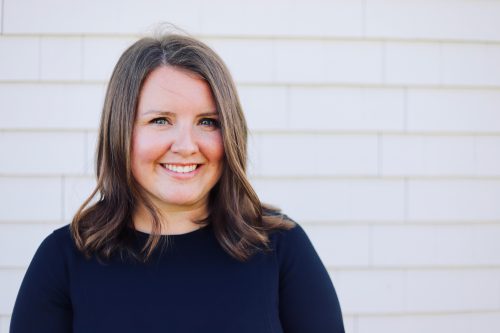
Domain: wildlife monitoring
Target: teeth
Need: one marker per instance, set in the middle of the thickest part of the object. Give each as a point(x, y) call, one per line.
point(180, 169)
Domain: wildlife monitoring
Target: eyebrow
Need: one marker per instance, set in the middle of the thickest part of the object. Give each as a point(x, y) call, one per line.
point(170, 113)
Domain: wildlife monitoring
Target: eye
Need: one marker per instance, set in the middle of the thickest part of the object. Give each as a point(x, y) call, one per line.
point(211, 122)
point(160, 121)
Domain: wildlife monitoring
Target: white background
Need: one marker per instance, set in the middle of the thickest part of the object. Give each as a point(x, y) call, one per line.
point(375, 124)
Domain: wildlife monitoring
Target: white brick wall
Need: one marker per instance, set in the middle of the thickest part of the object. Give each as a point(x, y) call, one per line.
point(11, 281)
point(457, 323)
point(42, 153)
point(335, 200)
point(375, 123)
point(346, 109)
point(317, 155)
point(433, 19)
point(454, 200)
point(433, 155)
point(20, 241)
point(422, 291)
point(364, 291)
point(50, 106)
point(16, 194)
point(435, 245)
point(4, 323)
point(20, 58)
point(412, 63)
point(471, 64)
point(76, 190)
point(61, 58)
point(342, 246)
point(453, 110)
point(100, 56)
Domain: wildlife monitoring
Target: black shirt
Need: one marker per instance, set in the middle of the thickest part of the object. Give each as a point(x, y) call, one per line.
point(191, 285)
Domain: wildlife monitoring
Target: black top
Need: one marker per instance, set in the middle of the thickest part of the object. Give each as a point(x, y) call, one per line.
point(193, 286)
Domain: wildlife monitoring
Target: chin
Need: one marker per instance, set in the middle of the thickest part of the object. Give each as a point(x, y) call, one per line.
point(181, 201)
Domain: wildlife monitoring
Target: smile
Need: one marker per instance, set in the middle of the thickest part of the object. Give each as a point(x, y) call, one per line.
point(180, 168)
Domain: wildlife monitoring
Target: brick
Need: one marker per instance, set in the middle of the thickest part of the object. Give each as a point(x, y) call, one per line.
point(20, 58)
point(11, 281)
point(61, 58)
point(442, 322)
point(124, 17)
point(318, 155)
point(76, 191)
point(453, 110)
point(346, 109)
point(348, 62)
point(4, 324)
point(431, 19)
point(1, 32)
point(371, 291)
point(100, 56)
point(248, 60)
point(324, 18)
point(436, 245)
point(412, 63)
point(300, 62)
point(471, 64)
point(265, 108)
point(349, 323)
point(50, 106)
point(339, 200)
point(453, 290)
point(453, 200)
point(341, 245)
point(42, 153)
point(410, 155)
point(239, 18)
point(41, 195)
point(91, 149)
point(280, 60)
point(488, 155)
point(21, 242)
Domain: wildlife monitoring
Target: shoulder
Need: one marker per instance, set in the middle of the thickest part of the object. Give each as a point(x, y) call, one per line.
point(48, 268)
point(60, 237)
point(55, 245)
point(294, 239)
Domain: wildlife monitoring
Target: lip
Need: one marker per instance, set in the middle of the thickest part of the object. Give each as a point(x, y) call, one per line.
point(185, 175)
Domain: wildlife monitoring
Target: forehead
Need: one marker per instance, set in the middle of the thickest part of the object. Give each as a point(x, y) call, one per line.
point(175, 89)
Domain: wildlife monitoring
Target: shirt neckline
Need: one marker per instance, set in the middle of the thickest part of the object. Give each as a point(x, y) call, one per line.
point(186, 235)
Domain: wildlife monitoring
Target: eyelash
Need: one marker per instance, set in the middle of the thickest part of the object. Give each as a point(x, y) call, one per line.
point(213, 122)
point(155, 121)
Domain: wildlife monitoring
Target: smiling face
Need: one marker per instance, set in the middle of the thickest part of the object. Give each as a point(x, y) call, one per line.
point(177, 151)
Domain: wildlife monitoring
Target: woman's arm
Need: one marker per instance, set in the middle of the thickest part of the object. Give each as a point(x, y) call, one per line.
point(43, 303)
point(308, 302)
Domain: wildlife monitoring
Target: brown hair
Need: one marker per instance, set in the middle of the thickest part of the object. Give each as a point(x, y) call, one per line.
point(240, 221)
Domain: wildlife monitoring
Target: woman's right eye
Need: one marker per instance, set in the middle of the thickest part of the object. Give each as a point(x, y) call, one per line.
point(160, 121)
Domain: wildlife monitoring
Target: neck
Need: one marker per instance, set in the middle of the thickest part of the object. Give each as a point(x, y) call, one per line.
point(173, 220)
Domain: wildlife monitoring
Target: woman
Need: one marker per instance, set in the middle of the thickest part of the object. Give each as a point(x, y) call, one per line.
point(174, 238)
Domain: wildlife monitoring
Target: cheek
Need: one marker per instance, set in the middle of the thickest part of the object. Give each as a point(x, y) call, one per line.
point(144, 149)
point(215, 148)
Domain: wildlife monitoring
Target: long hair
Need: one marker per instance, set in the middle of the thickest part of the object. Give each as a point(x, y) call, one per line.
point(103, 223)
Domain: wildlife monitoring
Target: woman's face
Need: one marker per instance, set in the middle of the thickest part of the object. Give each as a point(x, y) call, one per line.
point(177, 151)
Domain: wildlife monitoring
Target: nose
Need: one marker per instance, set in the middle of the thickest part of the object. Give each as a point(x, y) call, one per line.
point(184, 142)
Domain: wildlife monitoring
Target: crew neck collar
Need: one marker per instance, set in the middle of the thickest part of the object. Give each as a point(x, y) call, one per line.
point(186, 235)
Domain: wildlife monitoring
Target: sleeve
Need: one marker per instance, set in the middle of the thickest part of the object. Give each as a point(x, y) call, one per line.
point(43, 303)
point(308, 302)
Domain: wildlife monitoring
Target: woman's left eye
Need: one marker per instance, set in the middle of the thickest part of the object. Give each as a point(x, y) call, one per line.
point(209, 122)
